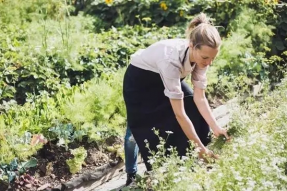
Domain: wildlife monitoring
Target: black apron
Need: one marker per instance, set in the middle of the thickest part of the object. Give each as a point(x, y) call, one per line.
point(148, 108)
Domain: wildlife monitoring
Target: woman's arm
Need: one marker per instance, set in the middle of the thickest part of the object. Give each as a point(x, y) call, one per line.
point(204, 109)
point(186, 125)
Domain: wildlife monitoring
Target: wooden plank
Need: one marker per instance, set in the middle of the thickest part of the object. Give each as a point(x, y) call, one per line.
point(108, 174)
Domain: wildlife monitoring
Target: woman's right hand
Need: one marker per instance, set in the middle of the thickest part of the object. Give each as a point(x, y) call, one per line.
point(206, 154)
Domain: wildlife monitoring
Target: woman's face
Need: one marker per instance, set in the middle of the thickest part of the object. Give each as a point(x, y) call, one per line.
point(204, 56)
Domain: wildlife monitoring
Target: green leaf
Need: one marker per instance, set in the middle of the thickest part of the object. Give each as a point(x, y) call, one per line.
point(14, 164)
point(25, 165)
point(11, 175)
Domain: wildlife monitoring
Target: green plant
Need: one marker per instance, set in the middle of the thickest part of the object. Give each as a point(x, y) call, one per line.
point(14, 143)
point(240, 65)
point(168, 169)
point(119, 13)
point(234, 130)
point(63, 133)
point(9, 172)
point(75, 164)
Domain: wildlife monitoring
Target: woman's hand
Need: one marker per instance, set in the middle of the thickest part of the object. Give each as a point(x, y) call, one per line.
point(206, 154)
point(217, 131)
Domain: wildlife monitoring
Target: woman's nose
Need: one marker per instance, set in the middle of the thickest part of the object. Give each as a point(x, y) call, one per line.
point(209, 62)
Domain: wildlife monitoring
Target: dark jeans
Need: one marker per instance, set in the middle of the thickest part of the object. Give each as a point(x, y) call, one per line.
point(131, 152)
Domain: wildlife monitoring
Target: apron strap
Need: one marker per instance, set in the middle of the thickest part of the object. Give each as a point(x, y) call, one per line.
point(182, 62)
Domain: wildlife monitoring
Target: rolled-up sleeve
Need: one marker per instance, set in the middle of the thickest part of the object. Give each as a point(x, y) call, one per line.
point(170, 75)
point(199, 78)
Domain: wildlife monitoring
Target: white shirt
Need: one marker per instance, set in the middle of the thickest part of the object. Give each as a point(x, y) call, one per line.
point(165, 57)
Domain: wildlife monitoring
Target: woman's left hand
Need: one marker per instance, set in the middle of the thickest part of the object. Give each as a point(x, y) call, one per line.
point(217, 131)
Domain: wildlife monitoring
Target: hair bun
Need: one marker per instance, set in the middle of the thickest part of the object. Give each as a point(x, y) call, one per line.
point(200, 32)
point(199, 19)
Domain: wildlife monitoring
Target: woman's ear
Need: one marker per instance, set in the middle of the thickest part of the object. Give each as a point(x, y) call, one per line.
point(190, 45)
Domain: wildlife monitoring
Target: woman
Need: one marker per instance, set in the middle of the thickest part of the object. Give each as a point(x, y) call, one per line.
point(157, 97)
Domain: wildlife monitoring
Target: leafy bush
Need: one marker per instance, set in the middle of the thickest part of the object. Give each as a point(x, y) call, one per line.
point(240, 64)
point(13, 11)
point(67, 52)
point(119, 13)
point(265, 29)
point(64, 50)
point(95, 109)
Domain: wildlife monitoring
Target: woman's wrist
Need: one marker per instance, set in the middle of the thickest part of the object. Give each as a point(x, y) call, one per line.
point(215, 126)
point(203, 150)
point(200, 146)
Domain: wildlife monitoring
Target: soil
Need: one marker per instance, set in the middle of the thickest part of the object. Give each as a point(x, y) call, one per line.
point(52, 170)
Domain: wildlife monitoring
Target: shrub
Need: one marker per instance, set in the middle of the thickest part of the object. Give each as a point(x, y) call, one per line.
point(120, 12)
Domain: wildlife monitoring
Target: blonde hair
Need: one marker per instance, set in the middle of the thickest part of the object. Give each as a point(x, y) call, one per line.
point(200, 32)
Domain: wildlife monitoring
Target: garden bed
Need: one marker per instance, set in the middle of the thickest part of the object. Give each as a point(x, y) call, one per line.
point(52, 171)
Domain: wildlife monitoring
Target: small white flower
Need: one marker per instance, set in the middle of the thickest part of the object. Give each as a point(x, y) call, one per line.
point(177, 173)
point(151, 161)
point(183, 158)
point(182, 168)
point(197, 186)
point(155, 182)
point(162, 169)
point(236, 156)
point(159, 146)
point(145, 141)
point(237, 176)
point(251, 183)
point(169, 132)
point(177, 180)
